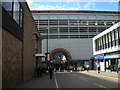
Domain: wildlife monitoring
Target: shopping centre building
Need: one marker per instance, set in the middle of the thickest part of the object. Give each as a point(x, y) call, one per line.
point(67, 34)
point(106, 48)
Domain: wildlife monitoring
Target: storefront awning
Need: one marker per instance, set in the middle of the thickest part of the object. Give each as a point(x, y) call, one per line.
point(91, 57)
point(99, 57)
point(111, 56)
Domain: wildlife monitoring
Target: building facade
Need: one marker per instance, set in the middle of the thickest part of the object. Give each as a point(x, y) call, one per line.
point(18, 43)
point(72, 31)
point(107, 44)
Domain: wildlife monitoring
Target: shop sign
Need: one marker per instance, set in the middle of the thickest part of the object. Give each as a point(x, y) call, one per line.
point(112, 56)
point(98, 56)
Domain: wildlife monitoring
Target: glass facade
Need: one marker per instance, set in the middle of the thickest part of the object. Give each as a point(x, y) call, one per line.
point(119, 34)
point(8, 6)
point(108, 40)
point(14, 8)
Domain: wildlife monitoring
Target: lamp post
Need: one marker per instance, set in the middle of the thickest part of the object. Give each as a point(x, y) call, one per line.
point(47, 53)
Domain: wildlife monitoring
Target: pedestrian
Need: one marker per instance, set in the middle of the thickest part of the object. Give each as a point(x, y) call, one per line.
point(50, 72)
point(87, 68)
point(98, 66)
point(37, 70)
point(40, 71)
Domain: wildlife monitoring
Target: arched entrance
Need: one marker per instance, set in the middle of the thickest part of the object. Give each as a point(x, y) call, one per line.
point(60, 58)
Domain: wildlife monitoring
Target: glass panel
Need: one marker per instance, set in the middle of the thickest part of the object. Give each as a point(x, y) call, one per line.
point(106, 41)
point(8, 6)
point(16, 11)
point(119, 34)
point(21, 17)
point(109, 37)
point(103, 42)
point(113, 38)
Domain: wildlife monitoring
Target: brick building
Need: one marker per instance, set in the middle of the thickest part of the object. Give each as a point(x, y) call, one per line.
point(19, 40)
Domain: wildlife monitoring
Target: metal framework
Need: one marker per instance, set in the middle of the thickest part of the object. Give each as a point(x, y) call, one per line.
point(73, 24)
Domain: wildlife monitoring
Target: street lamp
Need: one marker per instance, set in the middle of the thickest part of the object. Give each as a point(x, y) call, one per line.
point(47, 54)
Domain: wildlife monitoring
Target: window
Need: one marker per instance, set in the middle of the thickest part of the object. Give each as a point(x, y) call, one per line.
point(95, 45)
point(113, 38)
point(16, 8)
point(8, 6)
point(103, 42)
point(21, 17)
point(109, 38)
point(116, 36)
point(106, 41)
point(119, 34)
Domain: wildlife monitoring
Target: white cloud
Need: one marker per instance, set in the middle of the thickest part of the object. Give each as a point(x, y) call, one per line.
point(49, 7)
point(30, 2)
point(89, 4)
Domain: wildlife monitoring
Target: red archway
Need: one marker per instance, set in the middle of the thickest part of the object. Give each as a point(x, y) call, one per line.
point(64, 50)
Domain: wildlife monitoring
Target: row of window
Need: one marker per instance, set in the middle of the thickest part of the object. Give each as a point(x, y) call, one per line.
point(108, 40)
point(75, 22)
point(72, 29)
point(14, 8)
point(66, 36)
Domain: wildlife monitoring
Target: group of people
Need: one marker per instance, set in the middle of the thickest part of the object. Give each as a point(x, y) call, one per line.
point(40, 71)
point(98, 67)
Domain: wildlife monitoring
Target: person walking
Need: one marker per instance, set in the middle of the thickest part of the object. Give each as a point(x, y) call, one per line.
point(40, 71)
point(50, 72)
point(87, 68)
point(98, 66)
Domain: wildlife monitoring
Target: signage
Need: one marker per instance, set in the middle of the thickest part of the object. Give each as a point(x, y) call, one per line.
point(112, 56)
point(98, 56)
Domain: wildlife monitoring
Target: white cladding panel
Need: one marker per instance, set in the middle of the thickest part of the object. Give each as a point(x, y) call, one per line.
point(43, 16)
point(63, 16)
point(80, 49)
point(53, 16)
point(35, 16)
point(101, 17)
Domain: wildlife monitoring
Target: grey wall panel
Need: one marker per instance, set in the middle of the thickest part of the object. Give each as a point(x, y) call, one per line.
point(80, 49)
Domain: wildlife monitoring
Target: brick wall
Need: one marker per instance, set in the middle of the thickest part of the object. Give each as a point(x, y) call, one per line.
point(11, 60)
point(28, 45)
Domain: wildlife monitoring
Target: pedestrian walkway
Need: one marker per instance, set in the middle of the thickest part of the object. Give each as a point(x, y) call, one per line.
point(40, 82)
point(105, 75)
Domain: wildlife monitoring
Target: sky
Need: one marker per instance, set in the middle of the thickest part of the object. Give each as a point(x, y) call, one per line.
point(97, 5)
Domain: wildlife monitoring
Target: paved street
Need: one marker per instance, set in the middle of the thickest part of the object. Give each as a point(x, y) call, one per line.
point(80, 80)
point(71, 80)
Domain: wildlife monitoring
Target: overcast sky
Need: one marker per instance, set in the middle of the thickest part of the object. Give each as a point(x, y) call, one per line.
point(99, 5)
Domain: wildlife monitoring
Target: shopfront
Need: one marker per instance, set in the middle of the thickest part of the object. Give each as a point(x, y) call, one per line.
point(99, 60)
point(112, 62)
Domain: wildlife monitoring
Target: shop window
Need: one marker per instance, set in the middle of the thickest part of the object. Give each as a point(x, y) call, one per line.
point(8, 6)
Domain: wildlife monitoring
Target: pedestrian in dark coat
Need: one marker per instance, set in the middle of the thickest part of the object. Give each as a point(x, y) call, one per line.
point(39, 71)
point(50, 72)
point(98, 66)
